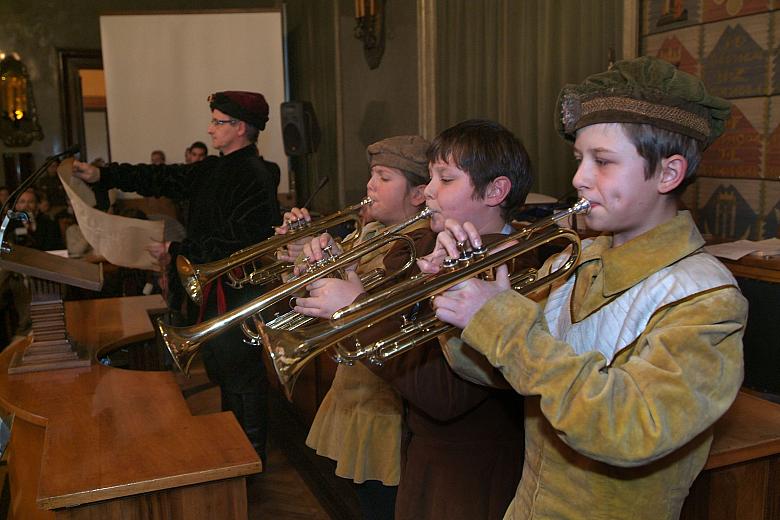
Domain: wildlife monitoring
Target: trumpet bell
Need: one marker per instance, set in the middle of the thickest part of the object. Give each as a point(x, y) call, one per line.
point(181, 348)
point(286, 364)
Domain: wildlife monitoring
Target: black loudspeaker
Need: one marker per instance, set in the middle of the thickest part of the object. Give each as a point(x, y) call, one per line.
point(300, 131)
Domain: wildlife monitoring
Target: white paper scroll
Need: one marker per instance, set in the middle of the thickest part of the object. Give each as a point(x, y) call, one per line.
point(120, 240)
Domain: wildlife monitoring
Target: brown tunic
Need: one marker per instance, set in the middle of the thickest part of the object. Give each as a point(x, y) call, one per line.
point(463, 446)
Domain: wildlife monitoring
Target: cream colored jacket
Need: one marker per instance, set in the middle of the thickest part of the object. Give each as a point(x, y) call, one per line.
point(618, 424)
point(359, 422)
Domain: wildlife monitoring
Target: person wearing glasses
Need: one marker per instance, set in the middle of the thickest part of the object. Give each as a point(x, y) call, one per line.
point(232, 205)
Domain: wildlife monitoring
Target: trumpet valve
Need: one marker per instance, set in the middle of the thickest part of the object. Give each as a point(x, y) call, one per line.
point(479, 252)
point(466, 252)
point(449, 264)
point(297, 224)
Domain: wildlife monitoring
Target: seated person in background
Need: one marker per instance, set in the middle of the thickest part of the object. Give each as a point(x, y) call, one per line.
point(43, 204)
point(40, 232)
point(627, 364)
point(463, 442)
point(358, 424)
point(197, 151)
point(157, 157)
point(49, 186)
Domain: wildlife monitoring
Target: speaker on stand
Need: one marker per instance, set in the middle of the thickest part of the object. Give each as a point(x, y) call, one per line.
point(301, 137)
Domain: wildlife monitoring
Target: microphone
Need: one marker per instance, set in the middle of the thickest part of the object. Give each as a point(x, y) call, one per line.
point(321, 185)
point(73, 150)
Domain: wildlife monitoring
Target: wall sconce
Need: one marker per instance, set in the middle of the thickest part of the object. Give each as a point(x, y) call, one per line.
point(370, 29)
point(18, 116)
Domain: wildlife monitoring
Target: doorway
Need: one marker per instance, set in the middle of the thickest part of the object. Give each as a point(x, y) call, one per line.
point(83, 102)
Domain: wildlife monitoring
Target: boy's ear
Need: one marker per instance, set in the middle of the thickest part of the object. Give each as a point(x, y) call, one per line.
point(417, 196)
point(673, 169)
point(497, 191)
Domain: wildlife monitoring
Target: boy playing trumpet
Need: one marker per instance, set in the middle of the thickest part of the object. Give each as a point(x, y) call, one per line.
point(463, 443)
point(358, 424)
point(627, 364)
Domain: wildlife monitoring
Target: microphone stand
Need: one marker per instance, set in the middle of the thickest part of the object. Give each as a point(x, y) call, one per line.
point(7, 210)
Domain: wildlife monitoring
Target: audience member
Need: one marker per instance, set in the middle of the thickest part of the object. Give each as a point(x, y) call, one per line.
point(39, 232)
point(197, 151)
point(157, 157)
point(49, 185)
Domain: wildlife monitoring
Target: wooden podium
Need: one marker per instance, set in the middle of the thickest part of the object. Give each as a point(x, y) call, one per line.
point(111, 443)
point(51, 348)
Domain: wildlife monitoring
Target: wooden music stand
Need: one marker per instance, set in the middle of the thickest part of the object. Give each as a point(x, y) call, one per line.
point(50, 347)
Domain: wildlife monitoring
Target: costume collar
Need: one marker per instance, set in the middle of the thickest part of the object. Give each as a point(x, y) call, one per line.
point(250, 149)
point(632, 262)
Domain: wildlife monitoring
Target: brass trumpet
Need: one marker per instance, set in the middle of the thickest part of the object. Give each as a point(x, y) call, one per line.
point(194, 277)
point(184, 342)
point(291, 350)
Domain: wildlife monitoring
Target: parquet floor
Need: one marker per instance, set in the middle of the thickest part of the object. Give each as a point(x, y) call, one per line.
point(279, 493)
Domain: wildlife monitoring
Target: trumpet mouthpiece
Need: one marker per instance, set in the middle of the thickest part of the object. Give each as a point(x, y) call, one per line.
point(582, 206)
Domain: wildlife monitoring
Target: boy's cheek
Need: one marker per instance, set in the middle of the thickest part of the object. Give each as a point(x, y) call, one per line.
point(437, 223)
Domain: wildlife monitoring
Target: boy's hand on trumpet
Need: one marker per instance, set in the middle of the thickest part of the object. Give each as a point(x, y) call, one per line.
point(292, 250)
point(447, 244)
point(458, 304)
point(316, 249)
point(327, 295)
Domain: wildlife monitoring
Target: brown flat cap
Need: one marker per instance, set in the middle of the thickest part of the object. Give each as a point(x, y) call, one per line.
point(405, 152)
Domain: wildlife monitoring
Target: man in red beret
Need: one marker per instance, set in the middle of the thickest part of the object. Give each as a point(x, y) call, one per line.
point(232, 205)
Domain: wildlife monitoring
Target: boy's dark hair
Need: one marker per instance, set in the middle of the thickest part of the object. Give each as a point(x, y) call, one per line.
point(654, 144)
point(201, 145)
point(486, 150)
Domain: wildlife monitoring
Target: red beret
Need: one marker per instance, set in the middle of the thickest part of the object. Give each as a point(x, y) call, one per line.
point(249, 107)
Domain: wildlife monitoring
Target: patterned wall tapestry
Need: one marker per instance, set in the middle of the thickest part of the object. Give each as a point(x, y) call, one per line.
point(734, 46)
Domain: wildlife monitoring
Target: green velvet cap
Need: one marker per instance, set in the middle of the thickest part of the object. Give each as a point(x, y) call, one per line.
point(644, 90)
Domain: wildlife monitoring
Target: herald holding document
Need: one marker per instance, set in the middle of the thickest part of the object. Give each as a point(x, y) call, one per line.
point(120, 240)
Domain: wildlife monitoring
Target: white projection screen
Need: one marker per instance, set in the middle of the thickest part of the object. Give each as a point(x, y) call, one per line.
point(161, 68)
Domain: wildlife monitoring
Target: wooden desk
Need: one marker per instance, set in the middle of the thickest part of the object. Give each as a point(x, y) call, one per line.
point(103, 442)
point(741, 480)
point(758, 268)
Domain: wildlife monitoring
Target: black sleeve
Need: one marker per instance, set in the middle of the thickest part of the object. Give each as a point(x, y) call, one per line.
point(162, 180)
